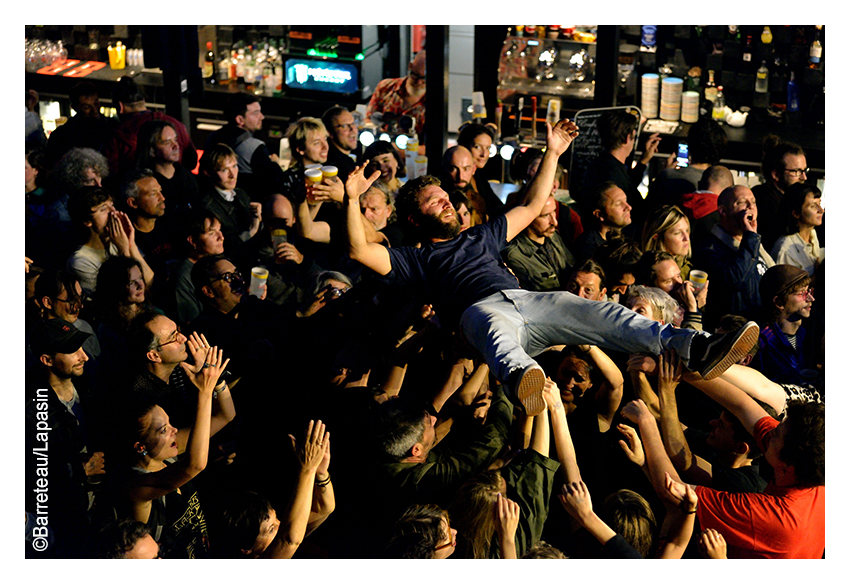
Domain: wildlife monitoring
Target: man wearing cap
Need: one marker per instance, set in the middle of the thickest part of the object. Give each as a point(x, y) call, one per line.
point(787, 295)
point(58, 431)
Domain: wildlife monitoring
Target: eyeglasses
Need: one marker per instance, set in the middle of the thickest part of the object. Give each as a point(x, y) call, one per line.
point(73, 302)
point(797, 171)
point(332, 293)
point(804, 294)
point(176, 338)
point(351, 126)
point(451, 540)
point(229, 277)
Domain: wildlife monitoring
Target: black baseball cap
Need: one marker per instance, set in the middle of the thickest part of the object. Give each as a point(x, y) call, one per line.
point(56, 336)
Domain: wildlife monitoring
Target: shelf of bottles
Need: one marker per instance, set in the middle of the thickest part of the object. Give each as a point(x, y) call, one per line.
point(776, 70)
point(300, 59)
point(541, 68)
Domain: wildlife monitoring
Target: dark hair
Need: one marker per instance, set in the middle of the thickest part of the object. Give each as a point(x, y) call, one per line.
point(417, 533)
point(469, 132)
point(238, 104)
point(146, 142)
point(458, 198)
point(196, 223)
point(242, 514)
point(793, 200)
point(117, 538)
point(589, 266)
point(379, 147)
point(111, 290)
point(630, 515)
point(203, 273)
point(81, 89)
point(407, 201)
point(214, 157)
point(140, 338)
point(805, 448)
point(81, 202)
point(127, 428)
point(127, 91)
point(618, 256)
point(774, 151)
point(331, 114)
point(595, 197)
point(51, 283)
point(35, 157)
point(706, 141)
point(614, 127)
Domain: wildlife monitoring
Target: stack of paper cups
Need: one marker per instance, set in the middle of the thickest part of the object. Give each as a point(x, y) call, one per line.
point(649, 95)
point(671, 98)
point(690, 107)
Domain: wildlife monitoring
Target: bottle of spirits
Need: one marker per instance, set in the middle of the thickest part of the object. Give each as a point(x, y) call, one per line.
point(761, 78)
point(710, 87)
point(747, 55)
point(208, 72)
point(718, 112)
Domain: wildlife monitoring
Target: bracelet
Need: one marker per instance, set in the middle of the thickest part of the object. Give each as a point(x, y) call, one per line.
point(690, 512)
point(323, 482)
point(218, 390)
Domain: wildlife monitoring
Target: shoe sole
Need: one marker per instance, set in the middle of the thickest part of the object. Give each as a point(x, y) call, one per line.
point(530, 391)
point(747, 337)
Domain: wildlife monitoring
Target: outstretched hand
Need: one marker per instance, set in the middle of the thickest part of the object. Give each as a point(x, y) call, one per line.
point(670, 371)
point(198, 347)
point(507, 518)
point(560, 136)
point(635, 410)
point(712, 545)
point(575, 498)
point(315, 447)
point(682, 494)
point(206, 378)
point(634, 447)
point(358, 183)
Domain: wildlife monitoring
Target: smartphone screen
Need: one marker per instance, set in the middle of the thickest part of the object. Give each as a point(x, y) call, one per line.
point(682, 156)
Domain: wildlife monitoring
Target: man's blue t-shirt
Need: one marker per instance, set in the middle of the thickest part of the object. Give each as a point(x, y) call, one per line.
point(455, 274)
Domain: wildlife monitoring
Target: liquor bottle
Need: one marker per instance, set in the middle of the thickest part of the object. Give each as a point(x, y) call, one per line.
point(815, 51)
point(734, 32)
point(766, 36)
point(224, 69)
point(208, 71)
point(761, 78)
point(231, 71)
point(710, 87)
point(718, 112)
point(793, 95)
point(747, 55)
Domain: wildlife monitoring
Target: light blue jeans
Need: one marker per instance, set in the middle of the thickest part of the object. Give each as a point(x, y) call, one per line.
point(512, 327)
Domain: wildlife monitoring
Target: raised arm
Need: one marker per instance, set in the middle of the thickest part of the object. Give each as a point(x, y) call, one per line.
point(308, 227)
point(558, 139)
point(561, 431)
point(153, 485)
point(610, 394)
point(734, 399)
point(657, 462)
point(673, 436)
point(372, 255)
point(293, 526)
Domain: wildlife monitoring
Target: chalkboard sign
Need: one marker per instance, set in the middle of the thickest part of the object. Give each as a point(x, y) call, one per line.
point(587, 147)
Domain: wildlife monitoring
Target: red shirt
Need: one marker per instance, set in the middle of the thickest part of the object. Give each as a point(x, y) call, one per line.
point(389, 97)
point(781, 522)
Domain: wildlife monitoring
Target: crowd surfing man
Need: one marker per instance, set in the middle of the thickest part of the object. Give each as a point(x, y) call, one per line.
point(505, 324)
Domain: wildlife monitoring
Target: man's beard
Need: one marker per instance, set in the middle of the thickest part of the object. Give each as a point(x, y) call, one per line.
point(435, 228)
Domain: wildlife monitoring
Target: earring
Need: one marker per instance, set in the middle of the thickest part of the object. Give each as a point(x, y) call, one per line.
point(143, 452)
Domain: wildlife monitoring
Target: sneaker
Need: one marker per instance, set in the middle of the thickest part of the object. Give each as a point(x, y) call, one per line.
point(529, 390)
point(711, 356)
